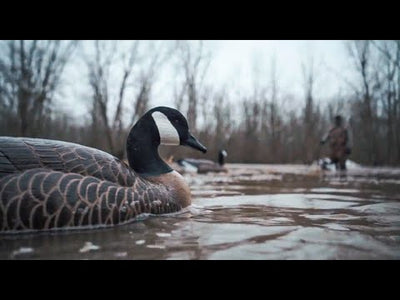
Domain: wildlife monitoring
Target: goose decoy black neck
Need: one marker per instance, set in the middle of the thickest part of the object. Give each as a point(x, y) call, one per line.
point(159, 126)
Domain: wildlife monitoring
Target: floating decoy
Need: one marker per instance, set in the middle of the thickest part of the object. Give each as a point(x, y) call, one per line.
point(49, 184)
point(204, 165)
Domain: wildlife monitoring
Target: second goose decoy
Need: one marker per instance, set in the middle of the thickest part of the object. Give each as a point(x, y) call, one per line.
point(204, 165)
point(49, 184)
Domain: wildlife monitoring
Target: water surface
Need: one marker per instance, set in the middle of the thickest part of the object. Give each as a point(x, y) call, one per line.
point(252, 212)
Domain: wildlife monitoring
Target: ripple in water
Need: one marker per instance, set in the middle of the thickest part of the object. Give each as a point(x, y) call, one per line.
point(251, 212)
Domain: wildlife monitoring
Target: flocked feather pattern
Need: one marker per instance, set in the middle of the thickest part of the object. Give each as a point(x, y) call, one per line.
point(50, 184)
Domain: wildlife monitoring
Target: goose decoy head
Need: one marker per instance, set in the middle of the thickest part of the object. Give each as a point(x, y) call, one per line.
point(221, 157)
point(159, 126)
point(173, 128)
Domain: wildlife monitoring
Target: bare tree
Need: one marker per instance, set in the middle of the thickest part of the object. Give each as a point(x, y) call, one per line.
point(273, 112)
point(156, 56)
point(102, 76)
point(309, 119)
point(31, 72)
point(99, 66)
point(389, 87)
point(194, 63)
point(223, 122)
point(360, 52)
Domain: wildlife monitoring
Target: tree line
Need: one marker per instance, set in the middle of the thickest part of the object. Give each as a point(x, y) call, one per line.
point(262, 126)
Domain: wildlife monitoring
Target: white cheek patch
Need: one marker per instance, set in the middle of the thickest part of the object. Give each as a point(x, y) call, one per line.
point(168, 133)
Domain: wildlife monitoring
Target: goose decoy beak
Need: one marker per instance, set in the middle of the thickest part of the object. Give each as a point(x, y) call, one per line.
point(194, 143)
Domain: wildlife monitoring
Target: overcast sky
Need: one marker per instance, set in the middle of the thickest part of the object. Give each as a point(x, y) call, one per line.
point(236, 61)
point(237, 65)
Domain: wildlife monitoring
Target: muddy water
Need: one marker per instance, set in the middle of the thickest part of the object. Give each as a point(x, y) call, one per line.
point(253, 212)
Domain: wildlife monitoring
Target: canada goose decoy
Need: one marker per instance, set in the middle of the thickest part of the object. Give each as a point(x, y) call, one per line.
point(48, 184)
point(204, 165)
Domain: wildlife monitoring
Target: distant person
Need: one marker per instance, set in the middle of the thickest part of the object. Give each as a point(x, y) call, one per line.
point(339, 143)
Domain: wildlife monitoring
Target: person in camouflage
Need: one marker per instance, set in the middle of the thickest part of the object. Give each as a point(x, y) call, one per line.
point(339, 143)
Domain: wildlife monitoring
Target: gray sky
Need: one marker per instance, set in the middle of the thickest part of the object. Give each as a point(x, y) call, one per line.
point(237, 65)
point(236, 60)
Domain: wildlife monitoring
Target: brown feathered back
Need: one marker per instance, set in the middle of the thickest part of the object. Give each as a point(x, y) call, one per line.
point(47, 184)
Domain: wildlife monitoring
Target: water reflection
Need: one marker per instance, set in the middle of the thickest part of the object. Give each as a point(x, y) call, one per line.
point(253, 212)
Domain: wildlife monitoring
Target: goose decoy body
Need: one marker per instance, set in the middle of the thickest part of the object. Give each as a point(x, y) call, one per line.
point(49, 184)
point(204, 165)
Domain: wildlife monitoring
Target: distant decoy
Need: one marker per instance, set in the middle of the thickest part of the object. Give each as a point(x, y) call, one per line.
point(204, 165)
point(49, 184)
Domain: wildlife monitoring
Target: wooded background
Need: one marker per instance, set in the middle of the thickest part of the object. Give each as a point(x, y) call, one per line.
point(260, 127)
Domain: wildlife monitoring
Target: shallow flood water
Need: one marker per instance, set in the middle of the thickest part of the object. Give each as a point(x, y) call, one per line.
point(252, 212)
